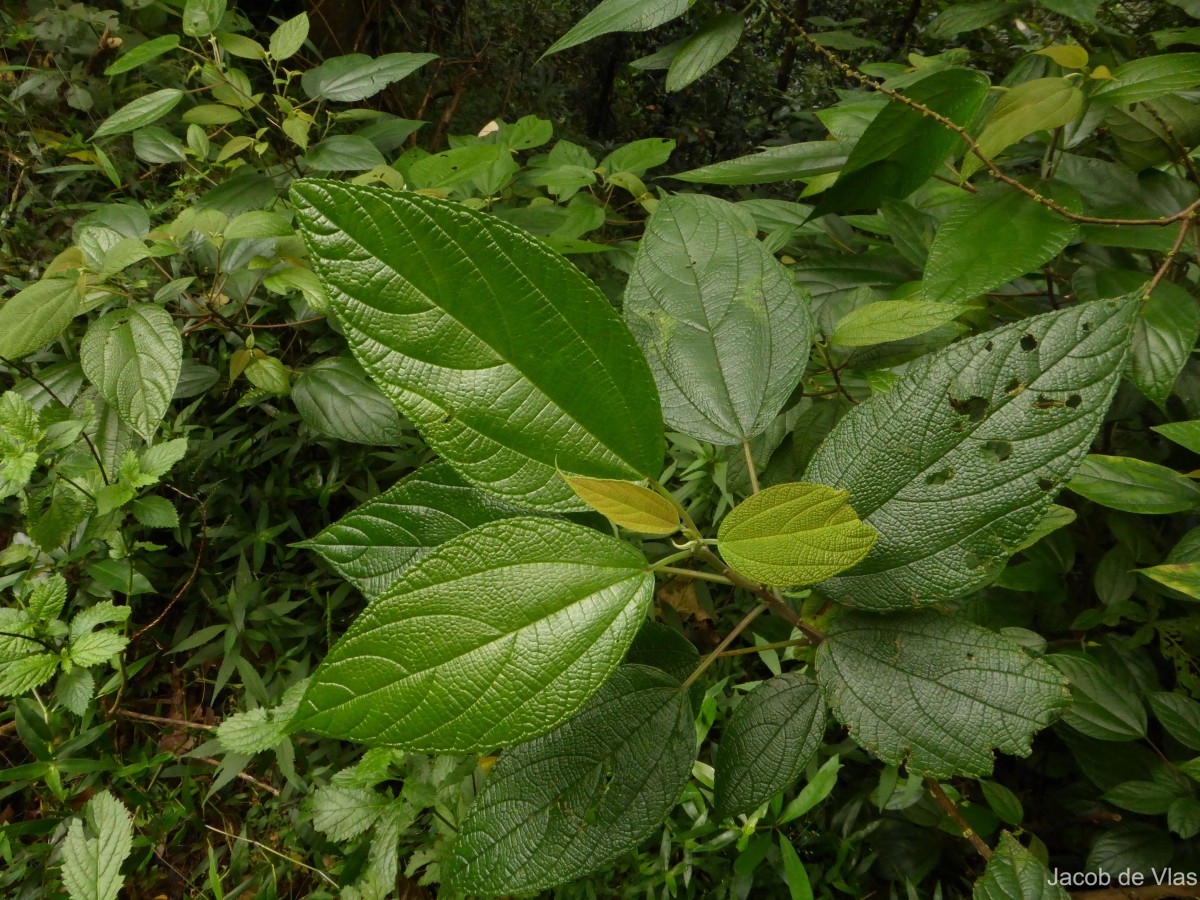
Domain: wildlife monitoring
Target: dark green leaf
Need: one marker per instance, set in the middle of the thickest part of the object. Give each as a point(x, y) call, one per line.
point(704, 49)
point(1179, 715)
point(357, 76)
point(1102, 706)
point(1134, 485)
point(787, 163)
point(620, 15)
point(336, 398)
point(1013, 873)
point(1145, 79)
point(1163, 340)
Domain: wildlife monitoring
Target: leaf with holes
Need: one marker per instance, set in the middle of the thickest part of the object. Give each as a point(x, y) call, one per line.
point(510, 361)
point(957, 464)
point(935, 693)
point(570, 802)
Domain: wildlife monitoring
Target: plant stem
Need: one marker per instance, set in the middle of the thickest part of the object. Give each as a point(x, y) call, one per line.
point(750, 466)
point(1169, 260)
point(956, 817)
point(693, 573)
point(729, 638)
point(774, 645)
point(772, 599)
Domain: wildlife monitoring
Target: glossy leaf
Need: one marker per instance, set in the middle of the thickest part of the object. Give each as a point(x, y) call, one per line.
point(33, 317)
point(569, 803)
point(494, 637)
point(770, 738)
point(1038, 105)
point(721, 321)
point(933, 692)
point(631, 506)
point(335, 397)
point(357, 76)
point(1102, 706)
point(794, 534)
point(791, 162)
point(1134, 485)
point(289, 37)
point(1145, 79)
point(620, 15)
point(91, 859)
point(133, 356)
point(1186, 434)
point(992, 237)
point(1163, 340)
point(958, 462)
point(142, 54)
point(452, 311)
point(1181, 576)
point(139, 113)
point(371, 545)
point(712, 43)
point(893, 320)
point(1179, 715)
point(1013, 873)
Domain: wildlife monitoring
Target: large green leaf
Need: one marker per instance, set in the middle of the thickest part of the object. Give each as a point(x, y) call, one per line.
point(722, 322)
point(1163, 340)
point(1134, 485)
point(704, 49)
point(958, 462)
point(1037, 105)
point(374, 543)
point(1144, 79)
point(787, 163)
point(509, 361)
point(901, 147)
point(133, 356)
point(1103, 706)
point(893, 320)
point(91, 865)
point(935, 693)
point(496, 636)
point(769, 740)
point(1013, 873)
point(335, 397)
point(620, 15)
point(33, 317)
point(992, 237)
point(570, 802)
point(357, 76)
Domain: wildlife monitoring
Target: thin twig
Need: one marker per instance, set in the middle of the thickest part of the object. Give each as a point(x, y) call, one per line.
point(273, 851)
point(774, 645)
point(249, 779)
point(680, 572)
point(1169, 260)
point(767, 596)
point(729, 639)
point(750, 466)
point(956, 817)
point(203, 539)
point(162, 720)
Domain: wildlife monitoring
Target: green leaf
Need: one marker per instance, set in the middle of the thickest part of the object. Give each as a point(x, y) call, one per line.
point(637, 157)
point(201, 17)
point(268, 374)
point(343, 813)
point(1163, 340)
point(1183, 817)
point(569, 803)
point(901, 147)
point(813, 793)
point(468, 649)
point(256, 730)
point(620, 15)
point(1179, 715)
point(631, 506)
point(1146, 797)
point(933, 692)
point(1013, 873)
point(1185, 434)
point(957, 464)
point(374, 543)
point(158, 460)
point(143, 53)
point(211, 114)
point(454, 167)
point(33, 317)
point(347, 79)
point(335, 397)
point(289, 37)
point(96, 647)
point(133, 356)
point(24, 674)
point(712, 43)
point(1182, 577)
point(991, 237)
point(157, 145)
point(721, 321)
point(799, 887)
point(477, 380)
point(1003, 802)
point(893, 320)
point(155, 512)
point(961, 17)
point(47, 599)
point(1032, 106)
point(92, 858)
point(769, 740)
point(139, 113)
point(1134, 485)
point(75, 689)
point(794, 534)
point(790, 162)
point(1102, 707)
point(242, 47)
point(257, 223)
point(1145, 79)
point(343, 153)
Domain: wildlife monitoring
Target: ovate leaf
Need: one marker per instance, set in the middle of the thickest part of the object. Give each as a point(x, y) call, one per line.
point(1144, 79)
point(620, 15)
point(1134, 485)
point(510, 362)
point(33, 317)
point(1182, 577)
point(1179, 715)
point(133, 356)
point(92, 855)
point(1102, 706)
point(790, 162)
point(704, 49)
point(143, 53)
point(631, 506)
point(139, 113)
point(794, 534)
point(1013, 873)
point(201, 17)
point(958, 462)
point(569, 803)
point(721, 321)
point(289, 37)
point(357, 76)
point(20, 675)
point(893, 320)
point(769, 740)
point(335, 397)
point(992, 237)
point(935, 693)
point(1163, 340)
point(494, 637)
point(1032, 106)
point(374, 543)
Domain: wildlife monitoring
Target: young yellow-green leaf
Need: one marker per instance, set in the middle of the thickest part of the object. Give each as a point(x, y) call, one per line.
point(494, 637)
point(1185, 434)
point(1031, 106)
point(139, 113)
point(991, 237)
point(371, 545)
point(570, 802)
point(958, 462)
point(794, 534)
point(935, 693)
point(629, 505)
point(721, 321)
point(143, 53)
point(133, 356)
point(91, 864)
point(1069, 56)
point(1134, 485)
point(506, 357)
point(712, 43)
point(893, 320)
point(1183, 577)
point(1013, 873)
point(620, 15)
point(36, 315)
point(769, 740)
point(787, 163)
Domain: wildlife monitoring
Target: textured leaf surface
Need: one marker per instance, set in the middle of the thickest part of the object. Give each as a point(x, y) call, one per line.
point(794, 534)
point(495, 637)
point(769, 740)
point(992, 237)
point(91, 868)
point(505, 356)
point(893, 320)
point(37, 315)
point(570, 802)
point(1013, 873)
point(628, 505)
point(722, 322)
point(935, 693)
point(336, 398)
point(620, 15)
point(133, 356)
point(371, 545)
point(787, 163)
point(958, 462)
